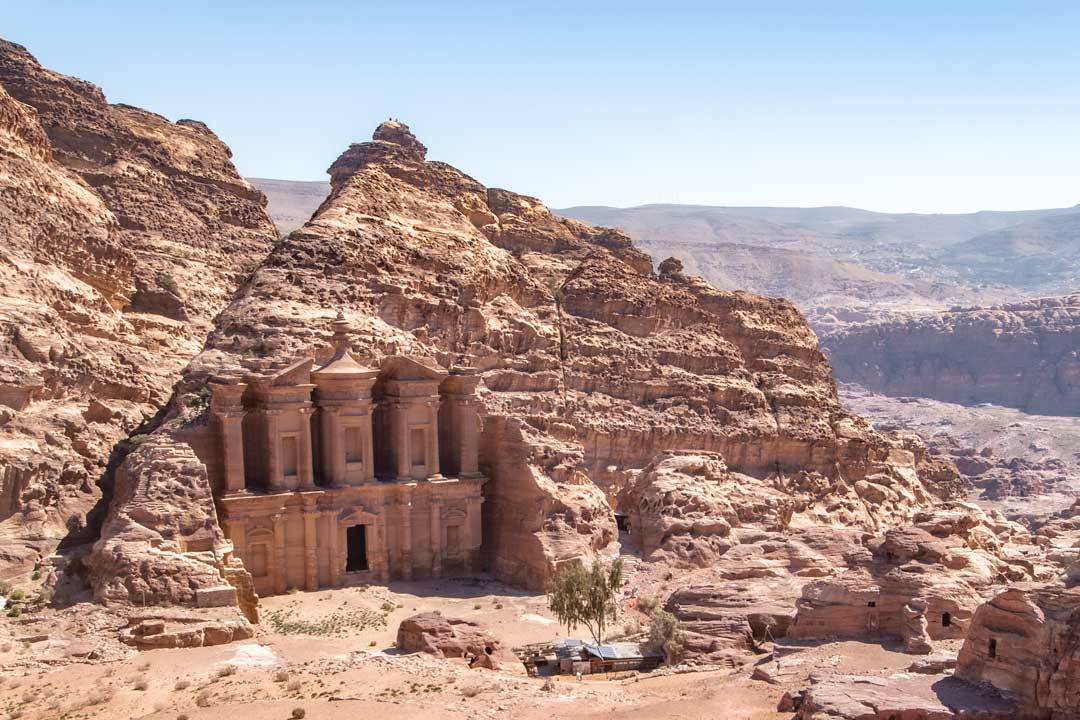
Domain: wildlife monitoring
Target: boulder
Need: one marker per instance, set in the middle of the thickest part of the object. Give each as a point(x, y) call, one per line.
point(447, 638)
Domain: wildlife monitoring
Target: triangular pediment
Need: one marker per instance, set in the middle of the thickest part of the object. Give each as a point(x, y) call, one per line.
point(401, 367)
point(299, 373)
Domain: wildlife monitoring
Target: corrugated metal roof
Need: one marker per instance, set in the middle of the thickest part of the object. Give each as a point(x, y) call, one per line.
point(615, 651)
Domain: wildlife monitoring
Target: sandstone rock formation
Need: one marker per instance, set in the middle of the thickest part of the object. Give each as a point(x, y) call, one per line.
point(1026, 641)
point(919, 583)
point(591, 364)
point(454, 638)
point(1022, 355)
point(866, 698)
point(124, 234)
point(161, 543)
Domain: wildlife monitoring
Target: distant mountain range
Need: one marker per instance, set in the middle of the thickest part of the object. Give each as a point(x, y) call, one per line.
point(839, 264)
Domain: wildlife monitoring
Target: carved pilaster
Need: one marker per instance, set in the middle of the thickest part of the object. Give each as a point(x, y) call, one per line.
point(311, 559)
point(306, 459)
point(279, 569)
point(406, 541)
point(436, 538)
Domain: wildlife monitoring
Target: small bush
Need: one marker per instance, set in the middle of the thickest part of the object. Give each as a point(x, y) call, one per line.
point(16, 594)
point(281, 675)
point(36, 575)
point(388, 606)
point(298, 713)
point(294, 685)
point(140, 684)
point(470, 691)
point(182, 685)
point(477, 606)
point(182, 716)
point(648, 604)
point(203, 699)
point(14, 611)
point(226, 671)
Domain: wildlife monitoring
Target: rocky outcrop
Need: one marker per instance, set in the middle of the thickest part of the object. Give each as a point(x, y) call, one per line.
point(446, 637)
point(124, 234)
point(173, 630)
point(1021, 355)
point(1026, 642)
point(919, 583)
point(161, 543)
point(852, 697)
point(591, 364)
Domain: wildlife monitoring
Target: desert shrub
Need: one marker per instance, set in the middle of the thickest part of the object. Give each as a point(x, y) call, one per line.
point(294, 685)
point(648, 604)
point(477, 606)
point(226, 670)
point(140, 684)
point(666, 634)
point(203, 699)
point(182, 716)
point(298, 713)
point(281, 675)
point(168, 282)
point(182, 685)
point(16, 594)
point(388, 606)
point(14, 611)
point(470, 691)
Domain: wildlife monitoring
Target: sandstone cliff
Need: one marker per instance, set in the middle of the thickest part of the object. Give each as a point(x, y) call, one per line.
point(592, 365)
point(124, 234)
point(1022, 355)
point(1026, 641)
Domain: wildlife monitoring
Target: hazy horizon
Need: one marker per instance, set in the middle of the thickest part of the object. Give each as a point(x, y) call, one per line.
point(915, 108)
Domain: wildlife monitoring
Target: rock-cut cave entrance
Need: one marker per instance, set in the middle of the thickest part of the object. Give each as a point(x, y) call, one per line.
point(356, 560)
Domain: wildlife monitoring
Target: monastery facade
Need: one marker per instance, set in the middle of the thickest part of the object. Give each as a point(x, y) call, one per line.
point(343, 474)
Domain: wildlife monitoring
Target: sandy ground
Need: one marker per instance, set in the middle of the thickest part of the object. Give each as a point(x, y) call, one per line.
point(331, 655)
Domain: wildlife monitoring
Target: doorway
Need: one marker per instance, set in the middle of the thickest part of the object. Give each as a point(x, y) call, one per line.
point(356, 542)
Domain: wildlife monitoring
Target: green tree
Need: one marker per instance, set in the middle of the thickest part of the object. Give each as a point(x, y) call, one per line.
point(666, 634)
point(586, 596)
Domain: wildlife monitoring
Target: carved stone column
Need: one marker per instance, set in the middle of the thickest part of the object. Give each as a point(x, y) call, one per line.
point(305, 459)
point(275, 479)
point(468, 429)
point(279, 570)
point(436, 538)
point(473, 534)
point(333, 546)
point(311, 558)
point(333, 462)
point(232, 443)
point(399, 433)
point(226, 408)
point(406, 541)
point(432, 450)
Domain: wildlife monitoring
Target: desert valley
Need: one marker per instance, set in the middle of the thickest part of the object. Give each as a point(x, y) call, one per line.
point(275, 449)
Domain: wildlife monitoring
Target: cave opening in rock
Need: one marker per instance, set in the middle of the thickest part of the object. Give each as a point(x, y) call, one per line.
point(993, 648)
point(946, 619)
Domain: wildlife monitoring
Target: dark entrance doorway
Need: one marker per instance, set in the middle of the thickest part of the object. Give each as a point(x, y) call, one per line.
point(357, 545)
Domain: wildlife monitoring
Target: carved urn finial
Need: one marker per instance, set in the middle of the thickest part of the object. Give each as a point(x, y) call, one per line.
point(341, 329)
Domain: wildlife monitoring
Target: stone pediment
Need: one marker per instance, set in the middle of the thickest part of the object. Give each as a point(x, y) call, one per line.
point(299, 373)
point(402, 368)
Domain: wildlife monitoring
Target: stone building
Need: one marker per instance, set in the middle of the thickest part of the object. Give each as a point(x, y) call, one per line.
point(341, 473)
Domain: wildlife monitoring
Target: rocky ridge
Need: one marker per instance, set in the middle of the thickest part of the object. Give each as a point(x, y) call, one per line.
point(124, 235)
point(592, 364)
point(1021, 355)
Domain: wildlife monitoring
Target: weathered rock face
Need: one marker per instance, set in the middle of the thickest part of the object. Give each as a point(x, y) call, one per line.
point(123, 235)
point(919, 583)
point(1022, 355)
point(448, 638)
point(1026, 641)
point(161, 543)
point(591, 364)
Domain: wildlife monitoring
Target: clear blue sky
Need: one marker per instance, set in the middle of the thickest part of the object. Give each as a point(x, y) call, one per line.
point(904, 106)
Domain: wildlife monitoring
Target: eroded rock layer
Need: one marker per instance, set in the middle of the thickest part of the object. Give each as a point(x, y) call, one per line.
point(592, 365)
point(124, 234)
point(1022, 355)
